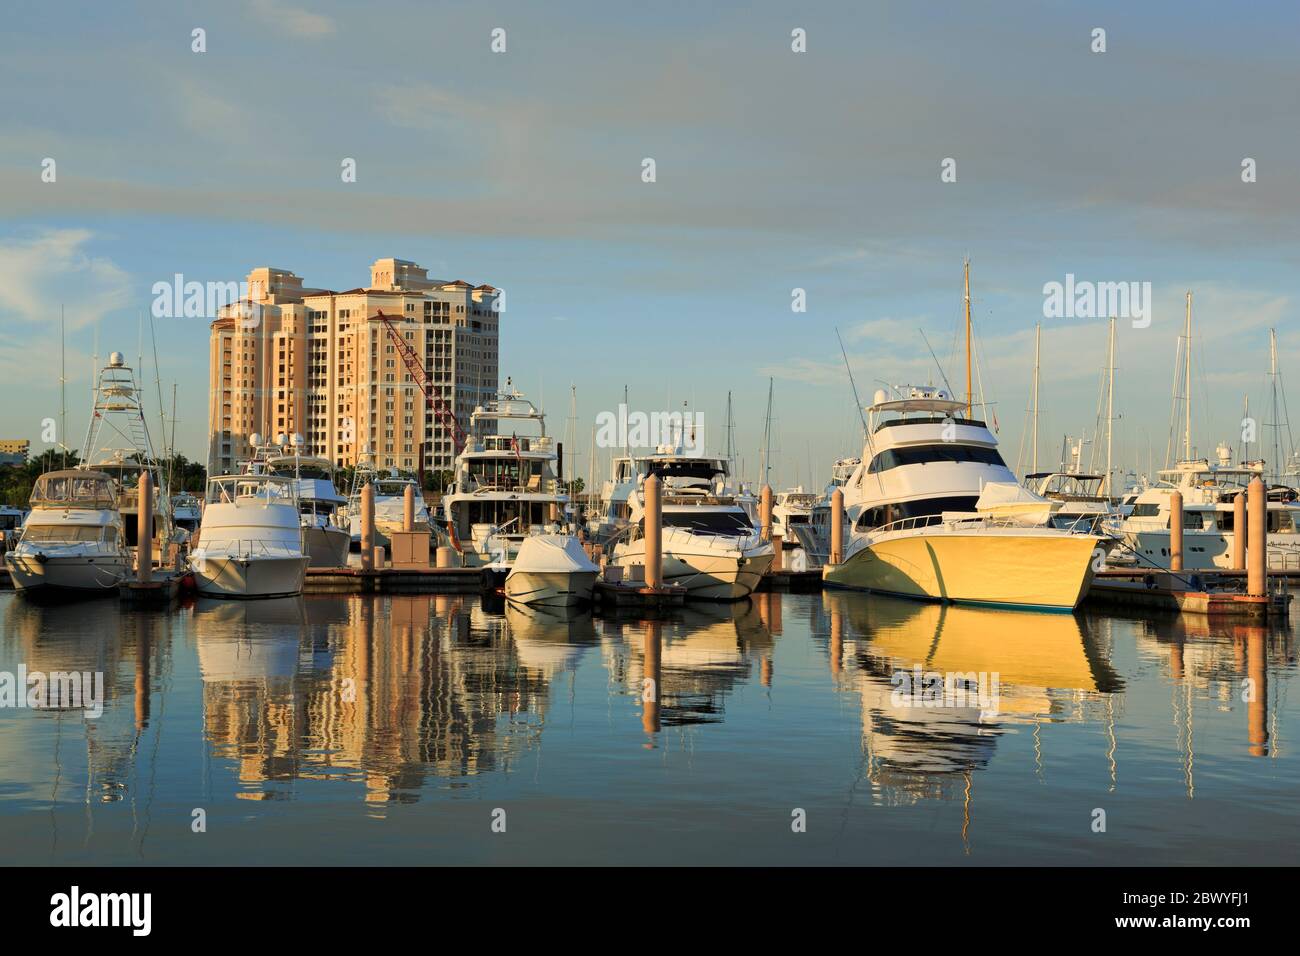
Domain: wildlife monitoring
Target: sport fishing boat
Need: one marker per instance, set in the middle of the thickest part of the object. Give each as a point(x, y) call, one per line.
point(251, 540)
point(1082, 504)
point(1209, 490)
point(815, 537)
point(318, 500)
point(73, 540)
point(506, 487)
point(710, 544)
point(929, 519)
point(551, 570)
point(119, 445)
point(791, 513)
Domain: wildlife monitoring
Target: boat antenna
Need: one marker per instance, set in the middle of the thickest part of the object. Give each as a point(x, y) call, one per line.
point(936, 361)
point(857, 401)
point(969, 394)
point(63, 388)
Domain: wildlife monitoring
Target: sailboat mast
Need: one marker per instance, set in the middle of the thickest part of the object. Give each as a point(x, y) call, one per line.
point(969, 394)
point(767, 436)
point(1038, 337)
point(1277, 422)
point(1187, 383)
point(63, 389)
point(1110, 409)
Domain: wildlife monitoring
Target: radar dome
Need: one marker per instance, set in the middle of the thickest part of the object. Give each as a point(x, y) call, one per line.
point(116, 359)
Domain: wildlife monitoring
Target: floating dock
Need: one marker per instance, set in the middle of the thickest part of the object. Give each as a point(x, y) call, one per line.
point(396, 581)
point(1219, 594)
point(639, 595)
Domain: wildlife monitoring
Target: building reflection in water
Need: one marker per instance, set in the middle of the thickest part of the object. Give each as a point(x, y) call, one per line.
point(389, 696)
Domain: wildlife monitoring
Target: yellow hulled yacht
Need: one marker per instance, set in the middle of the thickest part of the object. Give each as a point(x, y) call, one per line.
point(931, 515)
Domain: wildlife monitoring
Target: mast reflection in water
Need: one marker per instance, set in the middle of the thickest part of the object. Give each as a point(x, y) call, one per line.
point(389, 730)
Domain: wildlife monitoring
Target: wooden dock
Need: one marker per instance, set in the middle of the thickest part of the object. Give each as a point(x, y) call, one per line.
point(798, 582)
point(1219, 594)
point(396, 581)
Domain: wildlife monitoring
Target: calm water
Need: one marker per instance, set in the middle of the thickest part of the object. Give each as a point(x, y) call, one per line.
point(357, 730)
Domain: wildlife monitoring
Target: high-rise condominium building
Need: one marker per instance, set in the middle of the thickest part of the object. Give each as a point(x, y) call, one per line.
point(322, 364)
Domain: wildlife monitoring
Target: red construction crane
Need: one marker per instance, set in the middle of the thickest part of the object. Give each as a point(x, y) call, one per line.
point(416, 369)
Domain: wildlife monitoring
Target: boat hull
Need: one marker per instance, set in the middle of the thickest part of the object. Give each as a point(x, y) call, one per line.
point(327, 547)
point(250, 576)
point(1045, 571)
point(101, 573)
point(706, 575)
point(550, 588)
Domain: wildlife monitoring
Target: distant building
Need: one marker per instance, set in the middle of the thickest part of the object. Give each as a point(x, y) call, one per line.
point(14, 451)
point(320, 363)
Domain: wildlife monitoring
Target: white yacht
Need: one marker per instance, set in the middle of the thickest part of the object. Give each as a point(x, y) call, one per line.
point(551, 570)
point(506, 486)
point(11, 525)
point(318, 502)
point(390, 504)
point(73, 540)
point(929, 519)
point(1208, 491)
point(791, 513)
point(815, 537)
point(251, 540)
point(710, 544)
point(1083, 506)
point(186, 512)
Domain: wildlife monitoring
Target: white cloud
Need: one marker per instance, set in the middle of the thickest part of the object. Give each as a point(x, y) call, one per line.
point(53, 268)
point(293, 21)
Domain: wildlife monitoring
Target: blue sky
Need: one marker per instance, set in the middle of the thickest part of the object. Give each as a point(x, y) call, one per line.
point(775, 170)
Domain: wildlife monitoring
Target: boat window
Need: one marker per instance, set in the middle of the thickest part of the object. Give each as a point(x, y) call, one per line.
point(1146, 510)
point(63, 534)
point(709, 522)
point(705, 470)
point(886, 514)
point(1225, 520)
point(924, 454)
point(1280, 521)
point(1193, 520)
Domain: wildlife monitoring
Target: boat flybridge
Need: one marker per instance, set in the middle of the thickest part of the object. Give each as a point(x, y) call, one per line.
point(506, 487)
point(1208, 489)
point(318, 500)
point(251, 542)
point(937, 515)
point(710, 545)
point(73, 539)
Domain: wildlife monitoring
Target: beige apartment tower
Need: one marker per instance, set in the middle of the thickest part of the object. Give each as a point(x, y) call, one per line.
point(320, 363)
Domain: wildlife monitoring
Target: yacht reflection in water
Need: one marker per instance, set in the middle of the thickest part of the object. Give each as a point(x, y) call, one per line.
point(939, 684)
point(683, 668)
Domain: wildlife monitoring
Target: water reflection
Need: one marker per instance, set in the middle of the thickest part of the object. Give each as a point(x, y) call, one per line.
point(397, 700)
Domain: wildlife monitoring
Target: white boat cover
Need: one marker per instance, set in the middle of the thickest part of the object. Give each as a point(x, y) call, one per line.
point(551, 553)
point(1009, 496)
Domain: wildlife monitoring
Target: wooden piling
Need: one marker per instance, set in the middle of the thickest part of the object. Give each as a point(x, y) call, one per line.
point(837, 527)
point(654, 556)
point(408, 508)
point(1257, 547)
point(1176, 531)
point(1239, 532)
point(765, 512)
point(368, 527)
point(144, 530)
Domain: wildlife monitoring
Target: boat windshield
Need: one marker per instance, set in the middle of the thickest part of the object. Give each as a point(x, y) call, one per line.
point(710, 522)
point(67, 533)
point(265, 488)
point(391, 489)
point(701, 469)
point(86, 490)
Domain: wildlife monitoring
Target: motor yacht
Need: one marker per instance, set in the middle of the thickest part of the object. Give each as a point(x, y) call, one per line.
point(710, 544)
point(390, 504)
point(1208, 489)
point(918, 529)
point(327, 542)
point(73, 539)
point(506, 487)
point(251, 539)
